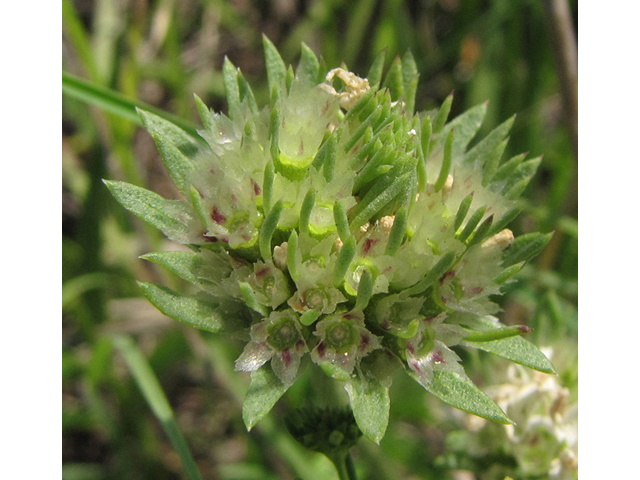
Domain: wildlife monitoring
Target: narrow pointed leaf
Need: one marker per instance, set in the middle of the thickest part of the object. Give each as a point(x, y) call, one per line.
point(346, 254)
point(525, 247)
point(446, 162)
point(308, 68)
point(174, 218)
point(185, 309)
point(267, 230)
point(276, 69)
point(463, 209)
point(204, 112)
point(409, 82)
point(461, 393)
point(393, 80)
point(490, 142)
point(472, 223)
point(375, 71)
point(183, 264)
point(231, 86)
point(440, 118)
point(440, 268)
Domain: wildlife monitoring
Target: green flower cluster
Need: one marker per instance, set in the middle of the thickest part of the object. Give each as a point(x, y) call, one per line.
point(339, 226)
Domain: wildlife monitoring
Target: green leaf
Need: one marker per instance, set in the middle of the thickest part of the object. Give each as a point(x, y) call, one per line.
point(264, 391)
point(204, 112)
point(183, 264)
point(375, 71)
point(276, 69)
point(176, 147)
point(346, 254)
point(520, 178)
point(466, 126)
point(516, 349)
point(370, 404)
point(231, 86)
point(525, 247)
point(490, 143)
point(461, 393)
point(446, 162)
point(441, 116)
point(267, 229)
point(383, 192)
point(308, 69)
point(185, 309)
point(393, 80)
point(439, 269)
point(174, 218)
point(409, 82)
point(118, 104)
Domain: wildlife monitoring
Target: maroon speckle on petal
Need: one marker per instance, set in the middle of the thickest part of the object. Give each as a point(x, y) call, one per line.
point(348, 316)
point(410, 347)
point(216, 216)
point(415, 366)
point(321, 349)
point(437, 357)
point(364, 341)
point(261, 273)
point(368, 244)
point(209, 238)
point(476, 291)
point(286, 357)
point(525, 329)
point(300, 344)
point(256, 188)
point(444, 300)
point(447, 276)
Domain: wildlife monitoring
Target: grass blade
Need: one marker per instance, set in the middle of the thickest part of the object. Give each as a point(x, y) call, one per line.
point(155, 397)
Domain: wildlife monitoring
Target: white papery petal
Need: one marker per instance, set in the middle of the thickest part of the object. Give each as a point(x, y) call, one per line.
point(253, 357)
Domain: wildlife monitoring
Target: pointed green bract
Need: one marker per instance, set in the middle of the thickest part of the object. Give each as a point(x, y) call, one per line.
point(187, 310)
point(462, 394)
point(525, 247)
point(231, 85)
point(309, 68)
point(377, 66)
point(183, 264)
point(276, 69)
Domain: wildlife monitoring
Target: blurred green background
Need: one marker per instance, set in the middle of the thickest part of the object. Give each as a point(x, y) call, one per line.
point(160, 53)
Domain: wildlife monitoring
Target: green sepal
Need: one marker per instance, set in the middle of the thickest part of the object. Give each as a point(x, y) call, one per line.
point(409, 82)
point(231, 86)
point(309, 317)
point(275, 119)
point(481, 233)
point(293, 256)
point(398, 231)
point(246, 94)
point(380, 194)
point(345, 255)
point(267, 230)
point(377, 66)
point(365, 290)
point(393, 80)
point(249, 297)
point(185, 309)
point(440, 119)
point(461, 393)
point(154, 209)
point(264, 391)
point(441, 267)
point(507, 168)
point(305, 211)
point(505, 220)
point(520, 178)
point(267, 186)
point(276, 69)
point(446, 162)
point(525, 247)
point(341, 221)
point(183, 264)
point(463, 209)
point(204, 112)
point(370, 402)
point(308, 69)
point(466, 126)
point(508, 273)
point(488, 145)
point(472, 223)
point(176, 147)
point(334, 371)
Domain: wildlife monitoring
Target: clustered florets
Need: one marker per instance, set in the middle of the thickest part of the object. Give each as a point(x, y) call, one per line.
point(336, 222)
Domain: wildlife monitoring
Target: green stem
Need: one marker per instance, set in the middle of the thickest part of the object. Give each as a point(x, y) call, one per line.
point(344, 465)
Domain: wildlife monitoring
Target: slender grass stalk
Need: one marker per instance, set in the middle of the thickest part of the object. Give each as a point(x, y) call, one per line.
point(155, 397)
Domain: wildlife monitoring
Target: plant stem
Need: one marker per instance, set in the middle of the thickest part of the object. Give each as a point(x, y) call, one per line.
point(344, 465)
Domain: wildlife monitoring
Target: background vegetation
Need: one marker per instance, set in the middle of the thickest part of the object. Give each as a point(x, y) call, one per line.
point(160, 53)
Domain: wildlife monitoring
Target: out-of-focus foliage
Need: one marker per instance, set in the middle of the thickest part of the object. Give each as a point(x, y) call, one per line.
point(162, 52)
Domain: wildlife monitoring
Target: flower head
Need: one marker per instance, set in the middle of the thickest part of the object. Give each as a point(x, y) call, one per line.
point(337, 221)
